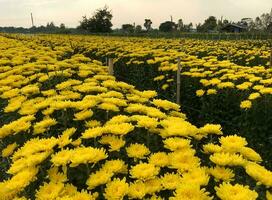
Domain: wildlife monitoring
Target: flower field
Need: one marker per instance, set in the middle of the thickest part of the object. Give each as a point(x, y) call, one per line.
point(69, 130)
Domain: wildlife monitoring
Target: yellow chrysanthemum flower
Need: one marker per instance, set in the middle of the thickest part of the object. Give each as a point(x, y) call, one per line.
point(221, 173)
point(190, 192)
point(144, 171)
point(137, 151)
point(226, 191)
point(246, 104)
point(116, 189)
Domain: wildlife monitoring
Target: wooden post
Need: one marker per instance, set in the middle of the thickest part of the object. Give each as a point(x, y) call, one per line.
point(111, 72)
point(178, 82)
point(271, 58)
point(228, 53)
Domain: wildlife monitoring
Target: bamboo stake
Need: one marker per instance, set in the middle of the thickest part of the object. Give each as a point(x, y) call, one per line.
point(178, 82)
point(111, 72)
point(228, 57)
point(271, 58)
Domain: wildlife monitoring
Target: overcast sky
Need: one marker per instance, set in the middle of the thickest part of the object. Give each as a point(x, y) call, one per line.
point(70, 12)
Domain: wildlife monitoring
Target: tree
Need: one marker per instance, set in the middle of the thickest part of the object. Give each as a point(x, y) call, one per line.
point(148, 24)
point(180, 25)
point(84, 24)
point(138, 29)
point(222, 23)
point(167, 26)
point(199, 27)
point(269, 28)
point(62, 26)
point(187, 27)
point(209, 24)
point(50, 25)
point(262, 23)
point(258, 23)
point(129, 28)
point(100, 22)
point(266, 19)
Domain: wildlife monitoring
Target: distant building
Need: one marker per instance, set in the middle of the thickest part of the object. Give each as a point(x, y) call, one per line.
point(193, 30)
point(234, 28)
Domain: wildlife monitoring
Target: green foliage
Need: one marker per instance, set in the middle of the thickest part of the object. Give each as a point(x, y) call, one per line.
point(148, 24)
point(168, 26)
point(100, 22)
point(128, 28)
point(209, 24)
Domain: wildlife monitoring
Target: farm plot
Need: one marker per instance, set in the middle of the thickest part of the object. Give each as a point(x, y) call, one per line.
point(71, 131)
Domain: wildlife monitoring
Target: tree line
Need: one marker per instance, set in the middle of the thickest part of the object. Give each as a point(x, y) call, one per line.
point(101, 22)
point(50, 27)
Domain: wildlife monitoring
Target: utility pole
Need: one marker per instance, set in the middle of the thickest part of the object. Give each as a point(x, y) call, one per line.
point(32, 21)
point(171, 18)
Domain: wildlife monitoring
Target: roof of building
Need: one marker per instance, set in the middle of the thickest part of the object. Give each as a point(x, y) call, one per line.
point(235, 25)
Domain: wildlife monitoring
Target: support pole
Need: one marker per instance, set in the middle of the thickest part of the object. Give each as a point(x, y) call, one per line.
point(111, 72)
point(270, 58)
point(228, 57)
point(178, 82)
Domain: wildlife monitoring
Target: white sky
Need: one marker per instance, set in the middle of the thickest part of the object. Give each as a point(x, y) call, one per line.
point(70, 12)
